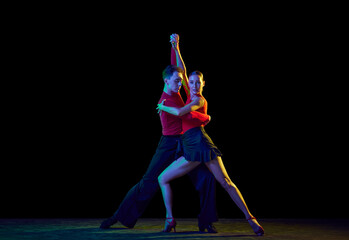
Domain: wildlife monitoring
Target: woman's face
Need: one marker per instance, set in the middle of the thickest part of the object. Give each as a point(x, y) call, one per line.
point(196, 84)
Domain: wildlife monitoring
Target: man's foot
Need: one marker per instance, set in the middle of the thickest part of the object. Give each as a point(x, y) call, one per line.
point(107, 223)
point(210, 228)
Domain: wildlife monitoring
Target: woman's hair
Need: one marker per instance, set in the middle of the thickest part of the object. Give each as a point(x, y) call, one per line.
point(169, 70)
point(197, 73)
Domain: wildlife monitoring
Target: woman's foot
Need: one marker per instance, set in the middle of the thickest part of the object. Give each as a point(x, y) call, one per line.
point(255, 226)
point(169, 224)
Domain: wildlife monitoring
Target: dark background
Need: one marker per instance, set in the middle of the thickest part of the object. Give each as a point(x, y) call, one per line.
point(83, 127)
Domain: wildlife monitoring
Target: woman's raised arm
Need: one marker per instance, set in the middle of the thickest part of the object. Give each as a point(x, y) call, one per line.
point(174, 39)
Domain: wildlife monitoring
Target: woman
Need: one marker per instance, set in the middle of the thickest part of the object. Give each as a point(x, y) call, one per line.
point(198, 148)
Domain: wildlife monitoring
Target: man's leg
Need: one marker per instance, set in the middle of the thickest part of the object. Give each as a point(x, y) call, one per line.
point(139, 196)
point(205, 183)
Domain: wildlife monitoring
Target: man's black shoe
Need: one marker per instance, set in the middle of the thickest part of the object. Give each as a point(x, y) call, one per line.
point(210, 228)
point(107, 223)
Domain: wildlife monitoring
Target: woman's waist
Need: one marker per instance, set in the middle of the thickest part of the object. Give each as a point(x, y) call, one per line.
point(193, 131)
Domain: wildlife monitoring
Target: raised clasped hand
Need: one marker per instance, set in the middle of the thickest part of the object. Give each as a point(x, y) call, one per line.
point(174, 40)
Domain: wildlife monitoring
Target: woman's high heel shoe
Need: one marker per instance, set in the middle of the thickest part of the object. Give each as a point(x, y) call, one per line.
point(169, 224)
point(260, 230)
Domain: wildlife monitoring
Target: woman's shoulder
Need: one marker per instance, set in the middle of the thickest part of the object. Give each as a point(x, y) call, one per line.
point(199, 100)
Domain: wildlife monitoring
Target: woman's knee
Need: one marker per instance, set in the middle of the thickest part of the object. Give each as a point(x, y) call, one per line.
point(227, 184)
point(162, 179)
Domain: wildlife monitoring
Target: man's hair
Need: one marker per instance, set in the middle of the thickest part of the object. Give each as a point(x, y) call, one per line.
point(197, 73)
point(169, 70)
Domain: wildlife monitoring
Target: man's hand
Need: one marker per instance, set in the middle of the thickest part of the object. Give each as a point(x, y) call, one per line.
point(209, 120)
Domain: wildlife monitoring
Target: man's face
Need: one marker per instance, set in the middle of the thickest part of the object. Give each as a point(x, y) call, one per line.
point(174, 83)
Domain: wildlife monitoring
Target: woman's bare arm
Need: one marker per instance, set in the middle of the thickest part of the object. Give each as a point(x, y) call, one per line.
point(194, 105)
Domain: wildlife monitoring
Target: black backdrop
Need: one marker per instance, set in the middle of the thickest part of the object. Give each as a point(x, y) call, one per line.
point(84, 125)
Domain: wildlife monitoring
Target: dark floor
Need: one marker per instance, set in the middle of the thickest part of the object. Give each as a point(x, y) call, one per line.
point(186, 229)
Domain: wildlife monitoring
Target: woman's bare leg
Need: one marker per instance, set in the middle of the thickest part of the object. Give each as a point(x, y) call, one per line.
point(221, 175)
point(177, 169)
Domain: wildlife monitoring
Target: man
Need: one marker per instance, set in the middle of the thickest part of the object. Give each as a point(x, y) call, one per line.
point(139, 196)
